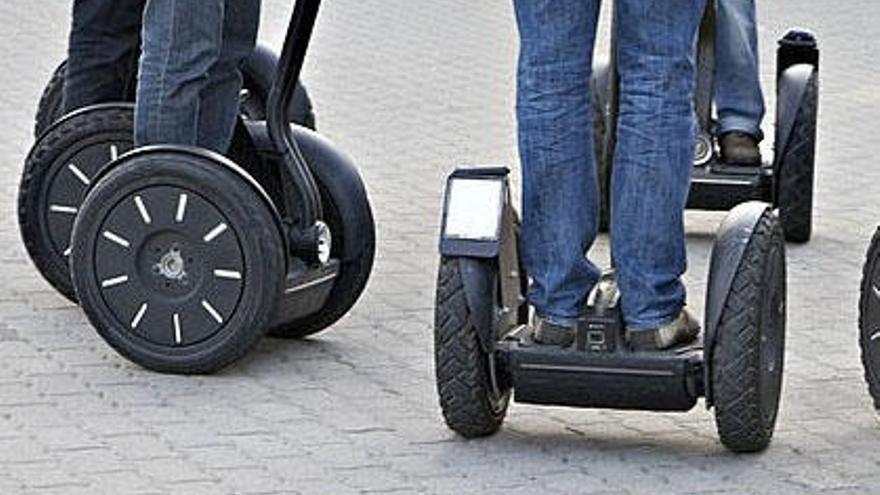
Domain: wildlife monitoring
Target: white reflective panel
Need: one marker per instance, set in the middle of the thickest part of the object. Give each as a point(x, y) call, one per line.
point(473, 209)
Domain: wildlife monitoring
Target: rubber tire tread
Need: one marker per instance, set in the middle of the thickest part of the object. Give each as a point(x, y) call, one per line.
point(258, 233)
point(49, 108)
point(37, 165)
point(736, 359)
point(797, 169)
point(461, 366)
point(872, 376)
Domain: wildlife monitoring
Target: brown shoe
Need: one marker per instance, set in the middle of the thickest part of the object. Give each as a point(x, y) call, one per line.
point(683, 330)
point(739, 148)
point(546, 333)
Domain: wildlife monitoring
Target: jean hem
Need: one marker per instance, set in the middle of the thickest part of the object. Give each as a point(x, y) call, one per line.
point(740, 125)
point(562, 321)
point(646, 324)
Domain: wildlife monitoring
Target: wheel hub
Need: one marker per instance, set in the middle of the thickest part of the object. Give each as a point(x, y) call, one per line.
point(171, 265)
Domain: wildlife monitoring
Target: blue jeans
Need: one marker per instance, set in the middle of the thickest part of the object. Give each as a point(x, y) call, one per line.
point(102, 52)
point(652, 162)
point(190, 76)
point(738, 98)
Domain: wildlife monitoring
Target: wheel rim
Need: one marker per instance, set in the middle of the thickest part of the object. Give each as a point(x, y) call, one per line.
point(772, 325)
point(66, 189)
point(169, 266)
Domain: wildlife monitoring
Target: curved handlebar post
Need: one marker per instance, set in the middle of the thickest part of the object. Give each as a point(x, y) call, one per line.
point(296, 171)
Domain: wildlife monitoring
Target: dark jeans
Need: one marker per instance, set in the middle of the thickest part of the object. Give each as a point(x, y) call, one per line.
point(102, 52)
point(190, 72)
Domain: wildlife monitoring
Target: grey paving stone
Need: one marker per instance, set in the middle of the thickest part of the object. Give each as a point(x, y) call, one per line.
point(410, 90)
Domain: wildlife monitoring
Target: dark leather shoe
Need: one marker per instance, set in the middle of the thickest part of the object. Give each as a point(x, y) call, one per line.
point(546, 333)
point(683, 330)
point(739, 148)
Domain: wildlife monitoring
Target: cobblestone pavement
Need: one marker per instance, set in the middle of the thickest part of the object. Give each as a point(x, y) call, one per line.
point(411, 88)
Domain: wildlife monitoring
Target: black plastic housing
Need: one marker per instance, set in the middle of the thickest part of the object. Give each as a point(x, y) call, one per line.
point(619, 379)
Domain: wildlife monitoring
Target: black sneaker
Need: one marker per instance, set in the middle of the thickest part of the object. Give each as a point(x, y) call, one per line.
point(683, 330)
point(739, 148)
point(546, 333)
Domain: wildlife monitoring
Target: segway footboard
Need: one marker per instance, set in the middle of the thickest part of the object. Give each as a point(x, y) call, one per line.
point(578, 377)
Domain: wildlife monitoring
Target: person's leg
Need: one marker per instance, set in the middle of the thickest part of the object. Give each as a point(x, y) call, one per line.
point(653, 159)
point(560, 191)
point(738, 98)
point(102, 51)
point(217, 121)
point(189, 79)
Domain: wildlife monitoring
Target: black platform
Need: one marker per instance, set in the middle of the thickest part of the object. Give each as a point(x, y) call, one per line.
point(720, 187)
point(620, 379)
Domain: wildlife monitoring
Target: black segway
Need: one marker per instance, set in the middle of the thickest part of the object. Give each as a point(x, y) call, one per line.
point(182, 258)
point(484, 352)
point(71, 149)
point(786, 182)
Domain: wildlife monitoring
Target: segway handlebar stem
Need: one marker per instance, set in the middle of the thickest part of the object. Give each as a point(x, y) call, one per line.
point(296, 170)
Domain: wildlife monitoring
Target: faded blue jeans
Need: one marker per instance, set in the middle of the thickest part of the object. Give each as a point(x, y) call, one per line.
point(190, 70)
point(653, 158)
point(739, 102)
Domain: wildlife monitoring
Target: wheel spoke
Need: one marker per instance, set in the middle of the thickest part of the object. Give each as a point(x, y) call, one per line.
point(142, 209)
point(67, 210)
point(79, 174)
point(211, 311)
point(111, 282)
point(216, 231)
point(181, 208)
point(139, 316)
point(227, 274)
point(117, 239)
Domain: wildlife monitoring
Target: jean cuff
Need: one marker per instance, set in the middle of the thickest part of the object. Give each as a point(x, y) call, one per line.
point(651, 323)
point(740, 125)
point(561, 321)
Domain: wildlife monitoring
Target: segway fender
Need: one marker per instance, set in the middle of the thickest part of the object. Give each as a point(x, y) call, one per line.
point(480, 230)
point(334, 169)
point(791, 90)
point(478, 277)
point(730, 244)
point(261, 66)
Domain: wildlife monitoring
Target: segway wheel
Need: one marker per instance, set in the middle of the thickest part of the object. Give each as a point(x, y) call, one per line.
point(869, 319)
point(750, 343)
point(178, 260)
point(49, 109)
point(796, 168)
point(473, 404)
point(57, 175)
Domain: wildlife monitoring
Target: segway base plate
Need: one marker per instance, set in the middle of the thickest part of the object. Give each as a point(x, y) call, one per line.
point(550, 375)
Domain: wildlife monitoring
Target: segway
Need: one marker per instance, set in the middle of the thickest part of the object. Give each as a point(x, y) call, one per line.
point(258, 72)
point(182, 258)
point(869, 318)
point(786, 182)
point(71, 149)
point(485, 354)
